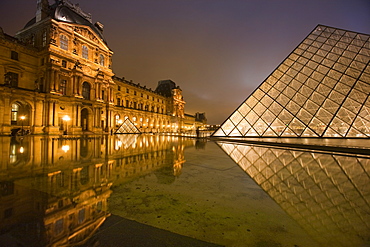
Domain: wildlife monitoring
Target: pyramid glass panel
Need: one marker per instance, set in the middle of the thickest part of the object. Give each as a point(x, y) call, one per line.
point(320, 90)
point(127, 127)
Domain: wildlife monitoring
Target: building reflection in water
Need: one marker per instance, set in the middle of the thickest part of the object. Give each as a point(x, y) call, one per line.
point(327, 194)
point(54, 191)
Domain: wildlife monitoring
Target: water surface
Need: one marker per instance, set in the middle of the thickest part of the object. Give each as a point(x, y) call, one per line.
point(150, 190)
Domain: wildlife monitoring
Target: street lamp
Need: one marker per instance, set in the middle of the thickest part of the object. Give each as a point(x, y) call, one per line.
point(22, 119)
point(66, 118)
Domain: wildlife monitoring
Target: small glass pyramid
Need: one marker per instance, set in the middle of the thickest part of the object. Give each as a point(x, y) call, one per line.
point(127, 127)
point(322, 89)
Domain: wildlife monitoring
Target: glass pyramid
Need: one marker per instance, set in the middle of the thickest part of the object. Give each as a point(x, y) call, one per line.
point(127, 127)
point(320, 90)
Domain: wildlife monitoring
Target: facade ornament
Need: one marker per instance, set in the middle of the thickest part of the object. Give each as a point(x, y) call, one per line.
point(77, 9)
point(37, 86)
point(53, 34)
point(77, 65)
point(7, 79)
point(85, 33)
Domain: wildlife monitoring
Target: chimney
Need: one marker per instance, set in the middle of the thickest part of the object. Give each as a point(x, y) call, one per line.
point(42, 9)
point(99, 26)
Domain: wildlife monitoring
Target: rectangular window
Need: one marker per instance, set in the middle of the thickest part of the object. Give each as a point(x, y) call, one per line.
point(6, 188)
point(118, 101)
point(14, 55)
point(86, 90)
point(8, 213)
point(64, 63)
point(101, 60)
point(44, 39)
point(59, 226)
point(63, 87)
point(85, 52)
point(119, 88)
point(11, 79)
point(64, 42)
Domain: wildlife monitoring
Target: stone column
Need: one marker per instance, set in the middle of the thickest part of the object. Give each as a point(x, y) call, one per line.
point(56, 116)
point(98, 90)
point(78, 115)
point(51, 80)
point(38, 116)
point(74, 85)
point(57, 81)
point(51, 113)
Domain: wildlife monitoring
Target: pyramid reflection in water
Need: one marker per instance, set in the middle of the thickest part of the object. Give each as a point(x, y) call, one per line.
point(320, 90)
point(327, 194)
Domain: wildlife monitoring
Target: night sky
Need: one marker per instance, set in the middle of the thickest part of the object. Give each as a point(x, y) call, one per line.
point(217, 51)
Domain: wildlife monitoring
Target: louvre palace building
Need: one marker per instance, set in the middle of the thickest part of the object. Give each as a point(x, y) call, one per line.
point(56, 77)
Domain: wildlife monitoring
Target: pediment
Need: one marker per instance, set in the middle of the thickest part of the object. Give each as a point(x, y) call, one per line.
point(89, 34)
point(13, 67)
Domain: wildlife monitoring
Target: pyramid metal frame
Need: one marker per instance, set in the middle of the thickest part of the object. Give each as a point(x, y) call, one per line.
point(322, 89)
point(127, 127)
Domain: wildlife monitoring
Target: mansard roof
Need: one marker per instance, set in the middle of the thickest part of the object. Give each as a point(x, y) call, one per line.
point(64, 11)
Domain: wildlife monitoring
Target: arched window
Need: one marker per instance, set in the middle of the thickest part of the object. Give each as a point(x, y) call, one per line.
point(86, 90)
point(101, 60)
point(63, 42)
point(85, 52)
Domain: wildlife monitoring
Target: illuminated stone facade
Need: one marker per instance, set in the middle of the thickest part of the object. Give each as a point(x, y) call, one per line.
point(57, 73)
point(320, 90)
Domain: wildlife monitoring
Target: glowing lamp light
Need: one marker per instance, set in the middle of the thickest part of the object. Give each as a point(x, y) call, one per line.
point(66, 118)
point(21, 150)
point(22, 118)
point(65, 148)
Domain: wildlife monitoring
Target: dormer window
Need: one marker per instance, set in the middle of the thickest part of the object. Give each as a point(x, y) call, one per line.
point(44, 39)
point(101, 60)
point(85, 52)
point(64, 42)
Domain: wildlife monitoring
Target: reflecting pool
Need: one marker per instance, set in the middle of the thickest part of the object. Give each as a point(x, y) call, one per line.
point(152, 190)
